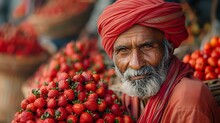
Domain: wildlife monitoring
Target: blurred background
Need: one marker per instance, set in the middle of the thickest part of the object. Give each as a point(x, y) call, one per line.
point(39, 39)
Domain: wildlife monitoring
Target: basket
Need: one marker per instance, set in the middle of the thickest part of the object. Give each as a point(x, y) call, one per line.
point(13, 72)
point(62, 25)
point(214, 86)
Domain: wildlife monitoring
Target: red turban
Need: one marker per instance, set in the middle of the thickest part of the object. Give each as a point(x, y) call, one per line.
point(123, 14)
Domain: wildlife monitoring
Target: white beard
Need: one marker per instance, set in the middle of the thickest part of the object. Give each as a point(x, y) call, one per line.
point(146, 87)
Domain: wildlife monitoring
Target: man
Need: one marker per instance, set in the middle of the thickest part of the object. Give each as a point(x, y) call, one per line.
point(140, 36)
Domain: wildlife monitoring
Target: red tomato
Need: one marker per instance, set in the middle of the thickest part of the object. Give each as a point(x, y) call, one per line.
point(218, 63)
point(212, 61)
point(195, 54)
point(215, 54)
point(200, 67)
point(206, 53)
point(214, 41)
point(186, 58)
point(199, 75)
point(200, 64)
point(210, 76)
point(217, 49)
point(209, 69)
point(192, 62)
point(218, 41)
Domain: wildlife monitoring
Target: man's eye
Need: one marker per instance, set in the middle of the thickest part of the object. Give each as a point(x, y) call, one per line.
point(122, 50)
point(146, 47)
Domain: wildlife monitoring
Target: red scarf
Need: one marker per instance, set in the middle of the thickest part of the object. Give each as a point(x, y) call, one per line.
point(156, 105)
point(123, 14)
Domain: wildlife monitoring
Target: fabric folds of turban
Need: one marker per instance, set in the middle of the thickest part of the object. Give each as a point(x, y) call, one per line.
point(123, 14)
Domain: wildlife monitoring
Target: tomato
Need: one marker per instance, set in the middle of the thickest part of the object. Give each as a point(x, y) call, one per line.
point(192, 62)
point(210, 76)
point(196, 54)
point(199, 75)
point(212, 61)
point(218, 62)
point(217, 70)
point(207, 49)
point(209, 69)
point(215, 54)
point(214, 41)
point(200, 64)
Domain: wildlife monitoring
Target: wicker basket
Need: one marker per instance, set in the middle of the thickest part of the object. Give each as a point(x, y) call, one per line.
point(13, 72)
point(214, 86)
point(61, 25)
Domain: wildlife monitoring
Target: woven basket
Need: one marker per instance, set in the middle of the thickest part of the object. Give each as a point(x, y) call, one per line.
point(214, 86)
point(13, 72)
point(62, 25)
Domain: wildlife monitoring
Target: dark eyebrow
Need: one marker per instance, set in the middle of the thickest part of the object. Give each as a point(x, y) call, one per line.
point(147, 43)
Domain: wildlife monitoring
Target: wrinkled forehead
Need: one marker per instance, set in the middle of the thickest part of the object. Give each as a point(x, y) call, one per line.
point(138, 34)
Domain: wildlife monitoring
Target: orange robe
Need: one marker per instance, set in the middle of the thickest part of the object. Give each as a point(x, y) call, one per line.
point(190, 102)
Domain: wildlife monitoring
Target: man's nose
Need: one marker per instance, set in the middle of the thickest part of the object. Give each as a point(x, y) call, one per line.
point(136, 61)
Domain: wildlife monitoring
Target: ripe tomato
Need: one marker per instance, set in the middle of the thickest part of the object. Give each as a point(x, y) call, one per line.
point(196, 54)
point(218, 62)
point(215, 54)
point(210, 76)
point(192, 62)
point(214, 41)
point(200, 64)
point(212, 61)
point(209, 69)
point(199, 75)
point(217, 70)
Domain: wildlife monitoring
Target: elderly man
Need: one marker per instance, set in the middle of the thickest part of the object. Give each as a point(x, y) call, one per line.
point(140, 36)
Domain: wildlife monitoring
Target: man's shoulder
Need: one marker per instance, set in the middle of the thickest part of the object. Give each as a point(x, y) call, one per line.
point(191, 91)
point(187, 85)
point(191, 101)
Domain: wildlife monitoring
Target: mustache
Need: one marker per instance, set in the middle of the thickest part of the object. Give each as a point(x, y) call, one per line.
point(146, 71)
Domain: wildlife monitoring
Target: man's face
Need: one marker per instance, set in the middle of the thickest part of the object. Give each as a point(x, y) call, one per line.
point(139, 62)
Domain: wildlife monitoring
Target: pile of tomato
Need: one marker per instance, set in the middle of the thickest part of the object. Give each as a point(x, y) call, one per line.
point(206, 62)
